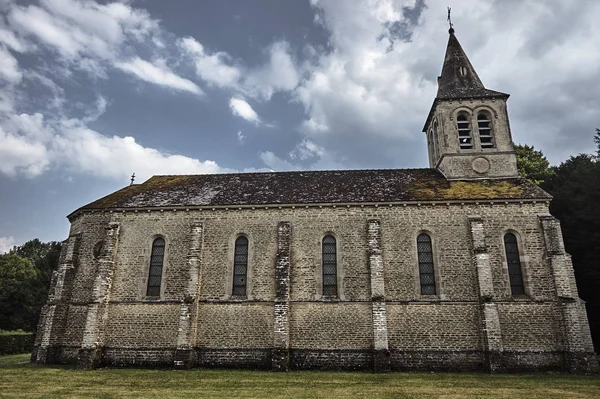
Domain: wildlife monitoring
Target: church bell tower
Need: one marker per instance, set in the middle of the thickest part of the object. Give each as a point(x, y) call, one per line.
point(468, 134)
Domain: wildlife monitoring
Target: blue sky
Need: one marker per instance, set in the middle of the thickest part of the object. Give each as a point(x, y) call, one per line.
point(92, 91)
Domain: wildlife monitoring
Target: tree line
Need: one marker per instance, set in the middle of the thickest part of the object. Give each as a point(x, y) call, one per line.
point(26, 271)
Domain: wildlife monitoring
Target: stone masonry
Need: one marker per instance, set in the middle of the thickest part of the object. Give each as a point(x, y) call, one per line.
point(380, 320)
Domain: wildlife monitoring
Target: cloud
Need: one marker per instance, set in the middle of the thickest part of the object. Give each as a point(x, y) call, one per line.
point(92, 37)
point(22, 155)
point(368, 96)
point(36, 145)
point(240, 137)
point(9, 67)
point(82, 28)
point(158, 74)
point(212, 68)
point(242, 109)
point(278, 73)
point(277, 164)
point(306, 150)
point(6, 244)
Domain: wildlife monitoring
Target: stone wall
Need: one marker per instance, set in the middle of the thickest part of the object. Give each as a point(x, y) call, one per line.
point(475, 162)
point(379, 320)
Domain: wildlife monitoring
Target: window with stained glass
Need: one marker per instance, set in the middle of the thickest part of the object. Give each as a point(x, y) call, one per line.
point(240, 267)
point(329, 266)
point(156, 267)
point(513, 259)
point(426, 271)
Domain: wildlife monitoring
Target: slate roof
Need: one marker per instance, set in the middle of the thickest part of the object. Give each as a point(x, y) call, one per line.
point(454, 85)
point(311, 187)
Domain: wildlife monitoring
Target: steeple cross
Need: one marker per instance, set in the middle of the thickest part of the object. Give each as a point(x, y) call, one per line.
point(132, 179)
point(450, 18)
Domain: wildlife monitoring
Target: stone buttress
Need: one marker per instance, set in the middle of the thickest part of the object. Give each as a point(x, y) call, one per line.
point(90, 354)
point(281, 335)
point(185, 355)
point(578, 347)
point(53, 317)
point(381, 353)
point(491, 331)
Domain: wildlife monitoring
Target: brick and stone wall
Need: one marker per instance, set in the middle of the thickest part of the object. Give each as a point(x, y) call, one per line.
point(379, 320)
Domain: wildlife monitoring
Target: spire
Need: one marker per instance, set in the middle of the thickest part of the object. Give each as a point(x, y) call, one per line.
point(459, 79)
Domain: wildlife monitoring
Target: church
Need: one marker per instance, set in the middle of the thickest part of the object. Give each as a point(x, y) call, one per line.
point(455, 267)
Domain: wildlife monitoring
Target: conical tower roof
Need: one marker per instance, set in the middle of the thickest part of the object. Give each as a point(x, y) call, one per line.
point(459, 79)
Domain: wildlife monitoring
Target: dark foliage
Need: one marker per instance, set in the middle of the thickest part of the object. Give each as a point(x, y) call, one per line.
point(25, 275)
point(16, 343)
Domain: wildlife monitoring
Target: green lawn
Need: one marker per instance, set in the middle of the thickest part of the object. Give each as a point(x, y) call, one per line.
point(20, 379)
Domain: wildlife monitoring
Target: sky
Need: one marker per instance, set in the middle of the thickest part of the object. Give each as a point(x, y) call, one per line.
point(93, 91)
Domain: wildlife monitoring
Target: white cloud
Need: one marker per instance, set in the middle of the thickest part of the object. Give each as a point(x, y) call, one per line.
point(117, 157)
point(369, 96)
point(82, 28)
point(213, 68)
point(9, 67)
point(306, 150)
point(6, 244)
point(242, 109)
point(277, 164)
point(240, 137)
point(158, 74)
point(36, 144)
point(22, 155)
point(279, 73)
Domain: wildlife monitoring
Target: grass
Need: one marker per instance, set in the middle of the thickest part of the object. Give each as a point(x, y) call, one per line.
point(20, 379)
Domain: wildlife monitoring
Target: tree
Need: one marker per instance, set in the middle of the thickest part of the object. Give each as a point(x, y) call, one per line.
point(18, 278)
point(44, 257)
point(597, 141)
point(532, 164)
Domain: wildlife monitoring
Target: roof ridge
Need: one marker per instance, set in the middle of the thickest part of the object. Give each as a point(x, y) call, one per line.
point(296, 172)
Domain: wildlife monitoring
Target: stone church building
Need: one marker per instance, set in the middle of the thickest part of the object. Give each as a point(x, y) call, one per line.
point(455, 267)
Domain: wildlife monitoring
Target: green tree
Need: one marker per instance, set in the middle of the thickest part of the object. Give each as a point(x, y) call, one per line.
point(44, 256)
point(532, 164)
point(597, 141)
point(18, 279)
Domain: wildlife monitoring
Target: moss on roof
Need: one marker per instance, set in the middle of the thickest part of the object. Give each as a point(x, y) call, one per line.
point(342, 186)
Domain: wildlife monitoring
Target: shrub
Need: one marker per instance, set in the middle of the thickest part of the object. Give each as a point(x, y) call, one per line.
point(12, 342)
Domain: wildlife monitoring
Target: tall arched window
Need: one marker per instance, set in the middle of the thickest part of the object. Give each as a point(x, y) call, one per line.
point(240, 267)
point(484, 123)
point(329, 266)
point(156, 267)
point(513, 259)
point(435, 138)
point(426, 273)
point(465, 139)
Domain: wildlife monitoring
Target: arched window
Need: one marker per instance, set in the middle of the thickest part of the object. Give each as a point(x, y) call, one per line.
point(156, 267)
point(515, 273)
point(329, 266)
point(435, 138)
point(464, 131)
point(426, 274)
point(240, 267)
point(484, 123)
